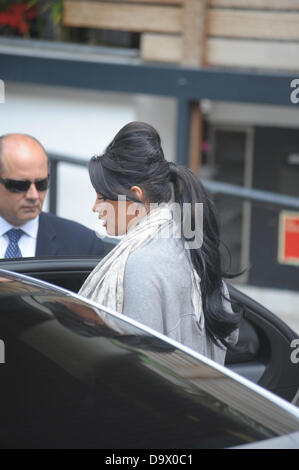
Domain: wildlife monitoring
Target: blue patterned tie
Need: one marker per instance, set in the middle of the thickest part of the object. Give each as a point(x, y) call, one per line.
point(13, 249)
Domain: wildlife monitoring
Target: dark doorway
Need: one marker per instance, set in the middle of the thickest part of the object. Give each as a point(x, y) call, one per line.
point(231, 162)
point(276, 168)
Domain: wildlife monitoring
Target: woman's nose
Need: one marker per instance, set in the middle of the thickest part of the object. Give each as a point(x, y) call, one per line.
point(96, 208)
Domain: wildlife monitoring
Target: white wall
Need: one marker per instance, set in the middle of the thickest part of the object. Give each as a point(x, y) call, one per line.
point(80, 124)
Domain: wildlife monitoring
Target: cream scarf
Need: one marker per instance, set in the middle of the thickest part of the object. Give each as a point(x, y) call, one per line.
point(105, 285)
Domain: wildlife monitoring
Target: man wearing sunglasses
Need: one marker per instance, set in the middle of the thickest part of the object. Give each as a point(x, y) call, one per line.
point(26, 231)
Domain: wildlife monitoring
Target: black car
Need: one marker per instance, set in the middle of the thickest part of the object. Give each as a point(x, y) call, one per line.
point(76, 375)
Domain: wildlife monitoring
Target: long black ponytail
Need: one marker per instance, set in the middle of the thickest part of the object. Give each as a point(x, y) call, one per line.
point(135, 157)
point(206, 259)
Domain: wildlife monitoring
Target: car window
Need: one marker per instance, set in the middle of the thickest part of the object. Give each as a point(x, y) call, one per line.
point(248, 345)
point(77, 377)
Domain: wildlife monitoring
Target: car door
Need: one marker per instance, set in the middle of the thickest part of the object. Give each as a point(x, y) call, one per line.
point(80, 376)
point(263, 354)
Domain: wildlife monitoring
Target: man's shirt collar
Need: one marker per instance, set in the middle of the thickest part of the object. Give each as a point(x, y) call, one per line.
point(29, 228)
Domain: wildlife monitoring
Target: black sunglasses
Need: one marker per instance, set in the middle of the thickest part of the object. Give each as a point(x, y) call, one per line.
point(22, 186)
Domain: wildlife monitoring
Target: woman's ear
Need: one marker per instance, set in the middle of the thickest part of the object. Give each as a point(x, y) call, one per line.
point(137, 192)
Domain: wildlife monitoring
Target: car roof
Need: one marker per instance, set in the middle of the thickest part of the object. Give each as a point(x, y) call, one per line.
point(196, 370)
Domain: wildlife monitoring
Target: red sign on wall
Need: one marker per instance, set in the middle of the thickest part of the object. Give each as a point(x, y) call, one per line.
point(289, 238)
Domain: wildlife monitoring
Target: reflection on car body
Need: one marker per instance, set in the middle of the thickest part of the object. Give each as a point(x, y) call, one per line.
point(75, 380)
point(2, 352)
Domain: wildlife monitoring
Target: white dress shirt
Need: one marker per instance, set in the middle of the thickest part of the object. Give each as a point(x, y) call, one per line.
point(27, 243)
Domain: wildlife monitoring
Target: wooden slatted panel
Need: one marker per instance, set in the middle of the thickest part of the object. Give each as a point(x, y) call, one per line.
point(149, 2)
point(225, 52)
point(253, 24)
point(184, 29)
point(194, 36)
point(260, 4)
point(161, 47)
point(256, 54)
point(123, 16)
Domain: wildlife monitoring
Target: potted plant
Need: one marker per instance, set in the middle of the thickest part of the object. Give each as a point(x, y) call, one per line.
point(16, 18)
point(31, 18)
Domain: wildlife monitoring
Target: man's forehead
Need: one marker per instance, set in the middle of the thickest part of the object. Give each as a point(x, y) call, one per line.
point(24, 164)
point(22, 150)
point(20, 142)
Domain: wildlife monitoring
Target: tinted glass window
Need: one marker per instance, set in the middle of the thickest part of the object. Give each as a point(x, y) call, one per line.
point(77, 377)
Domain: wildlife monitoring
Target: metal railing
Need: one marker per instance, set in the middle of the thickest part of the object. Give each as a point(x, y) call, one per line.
point(260, 197)
point(264, 198)
point(54, 163)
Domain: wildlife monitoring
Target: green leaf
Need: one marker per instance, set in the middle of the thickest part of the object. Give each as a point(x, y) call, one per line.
point(31, 4)
point(46, 7)
point(56, 13)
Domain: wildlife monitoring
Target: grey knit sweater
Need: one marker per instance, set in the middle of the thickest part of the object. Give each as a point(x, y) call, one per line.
point(158, 293)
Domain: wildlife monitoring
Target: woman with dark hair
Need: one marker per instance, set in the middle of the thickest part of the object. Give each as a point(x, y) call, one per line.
point(166, 270)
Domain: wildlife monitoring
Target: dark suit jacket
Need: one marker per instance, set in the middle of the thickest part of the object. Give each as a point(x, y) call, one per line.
point(61, 237)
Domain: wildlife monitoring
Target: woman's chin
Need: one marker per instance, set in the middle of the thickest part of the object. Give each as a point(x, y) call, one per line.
point(111, 232)
point(117, 234)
